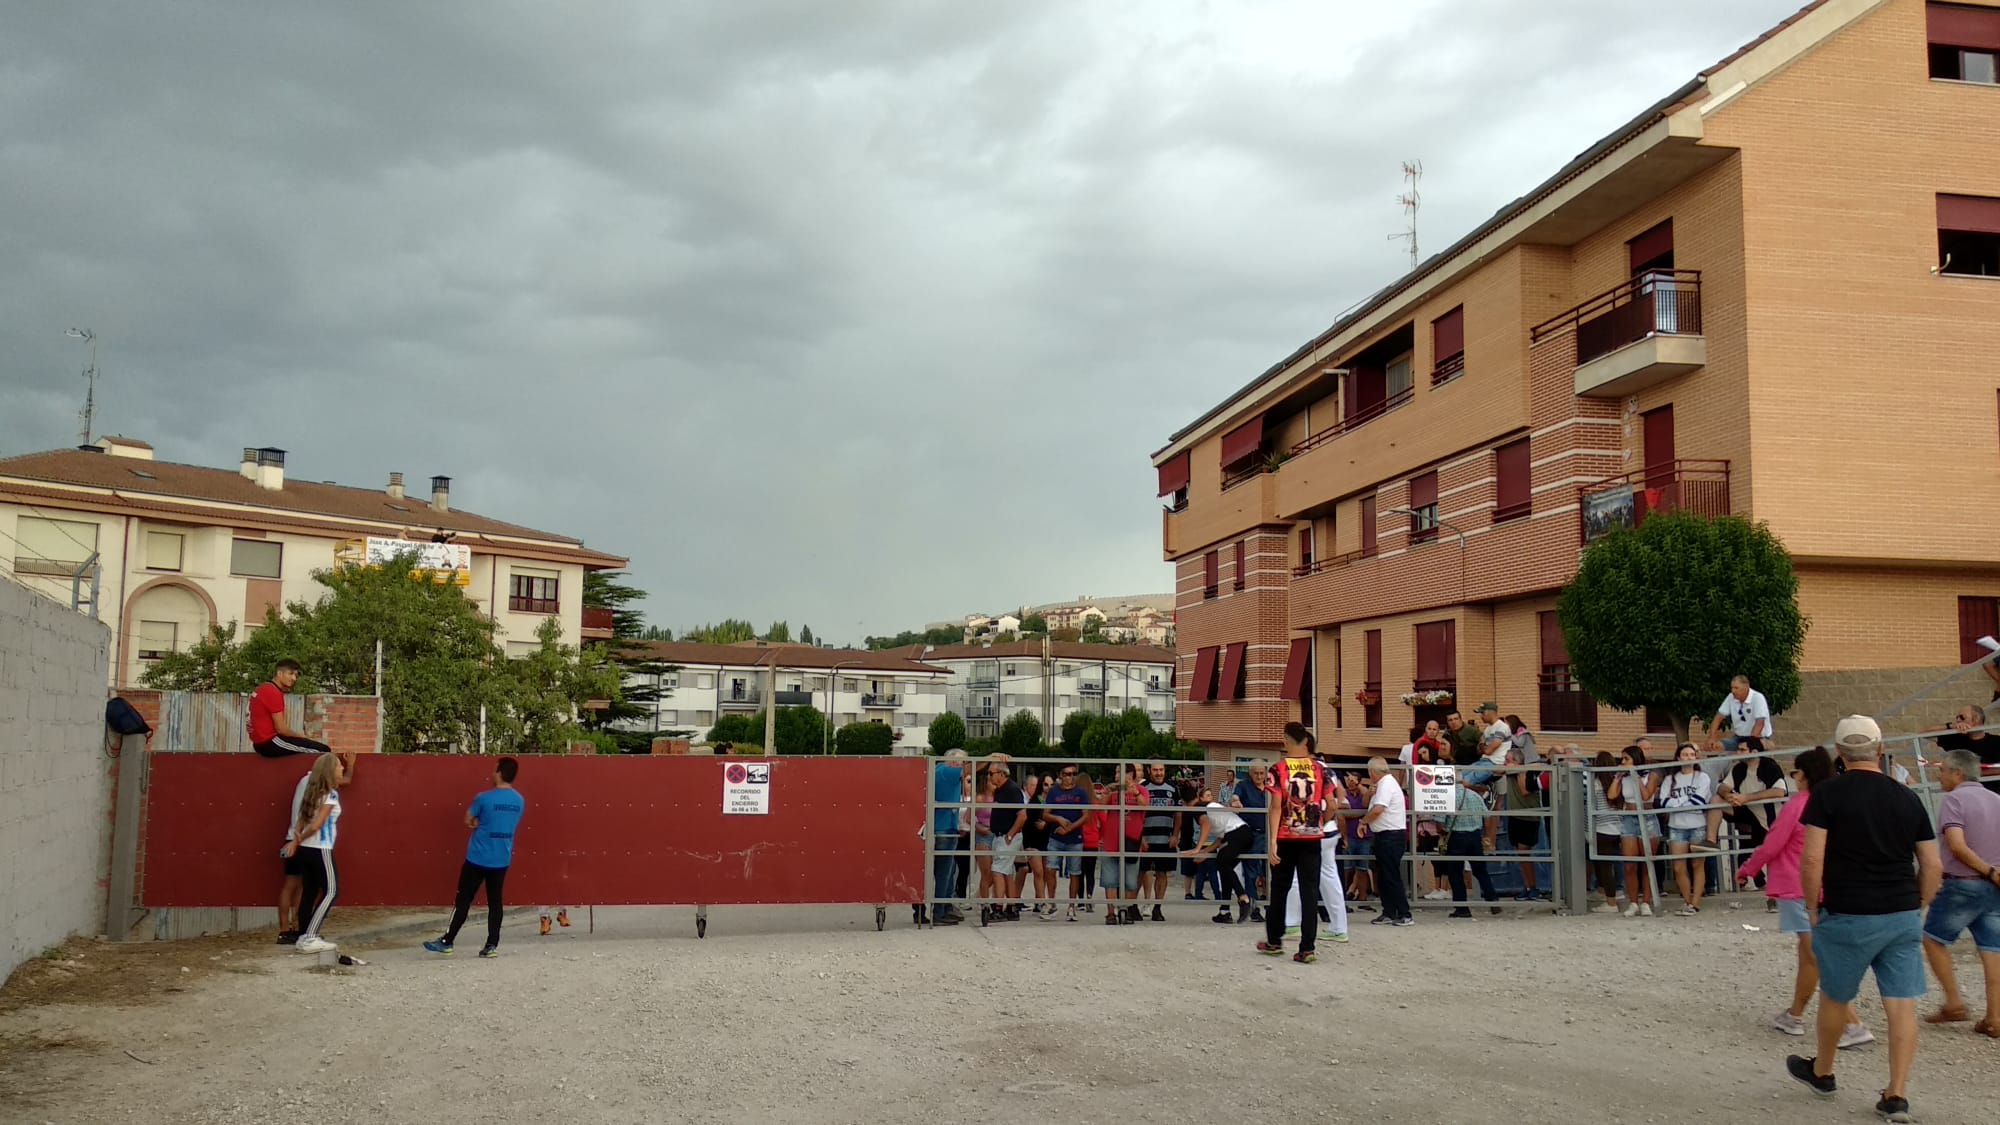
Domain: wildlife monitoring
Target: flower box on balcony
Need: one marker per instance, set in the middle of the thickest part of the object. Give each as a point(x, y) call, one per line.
point(1367, 698)
point(1427, 699)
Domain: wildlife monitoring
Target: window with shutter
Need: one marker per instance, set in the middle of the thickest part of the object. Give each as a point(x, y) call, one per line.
point(1968, 235)
point(1371, 686)
point(1211, 575)
point(1565, 705)
point(1242, 564)
point(1368, 527)
point(1964, 42)
point(1448, 346)
point(1424, 508)
point(1513, 492)
point(1977, 617)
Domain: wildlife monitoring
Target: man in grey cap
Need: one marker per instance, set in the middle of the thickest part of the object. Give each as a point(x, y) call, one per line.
point(1862, 833)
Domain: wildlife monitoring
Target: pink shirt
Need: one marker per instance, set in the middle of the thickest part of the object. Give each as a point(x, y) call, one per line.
point(1779, 853)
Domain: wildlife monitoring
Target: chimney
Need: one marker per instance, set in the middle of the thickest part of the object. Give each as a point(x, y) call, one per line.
point(271, 468)
point(249, 469)
point(395, 486)
point(441, 494)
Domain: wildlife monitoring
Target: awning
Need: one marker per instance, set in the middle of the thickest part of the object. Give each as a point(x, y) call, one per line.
point(1232, 670)
point(1203, 688)
point(1969, 212)
point(1295, 666)
point(1243, 442)
point(1174, 475)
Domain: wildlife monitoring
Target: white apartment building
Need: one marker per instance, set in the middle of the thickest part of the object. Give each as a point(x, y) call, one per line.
point(179, 548)
point(1052, 681)
point(847, 685)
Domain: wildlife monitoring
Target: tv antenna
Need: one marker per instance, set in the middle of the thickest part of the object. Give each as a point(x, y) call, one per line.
point(89, 414)
point(1410, 201)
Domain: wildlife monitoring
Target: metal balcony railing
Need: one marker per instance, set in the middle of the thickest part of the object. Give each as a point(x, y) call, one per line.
point(1700, 487)
point(1654, 303)
point(886, 699)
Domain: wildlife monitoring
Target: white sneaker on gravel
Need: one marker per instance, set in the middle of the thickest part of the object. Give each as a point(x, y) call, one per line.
point(1788, 1023)
point(1645, 910)
point(1605, 908)
point(1631, 910)
point(1437, 896)
point(1856, 1035)
point(312, 944)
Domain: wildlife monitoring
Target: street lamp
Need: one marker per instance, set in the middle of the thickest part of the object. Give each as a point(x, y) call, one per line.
point(826, 729)
point(90, 377)
point(1448, 526)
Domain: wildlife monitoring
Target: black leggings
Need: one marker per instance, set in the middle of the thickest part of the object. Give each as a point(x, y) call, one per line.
point(470, 876)
point(1300, 858)
point(287, 745)
point(321, 885)
point(1089, 875)
point(1607, 869)
point(1235, 843)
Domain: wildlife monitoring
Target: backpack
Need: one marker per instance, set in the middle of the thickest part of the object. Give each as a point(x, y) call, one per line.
point(123, 718)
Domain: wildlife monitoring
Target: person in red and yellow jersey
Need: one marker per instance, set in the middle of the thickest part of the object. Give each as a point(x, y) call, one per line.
point(1297, 819)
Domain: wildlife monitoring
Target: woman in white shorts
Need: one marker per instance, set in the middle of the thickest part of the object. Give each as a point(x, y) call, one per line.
point(1778, 857)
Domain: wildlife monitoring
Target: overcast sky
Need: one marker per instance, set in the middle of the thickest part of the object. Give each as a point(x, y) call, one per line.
point(855, 314)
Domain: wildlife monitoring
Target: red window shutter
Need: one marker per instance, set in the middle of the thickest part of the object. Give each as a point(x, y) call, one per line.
point(1554, 651)
point(1437, 653)
point(1174, 475)
point(1242, 565)
point(1448, 335)
point(1305, 546)
point(1424, 491)
point(1451, 650)
point(1977, 617)
point(1513, 491)
point(1969, 212)
point(1240, 443)
point(1232, 672)
point(1954, 25)
point(1295, 666)
point(1212, 570)
point(1367, 527)
point(1651, 245)
point(1203, 688)
point(1372, 655)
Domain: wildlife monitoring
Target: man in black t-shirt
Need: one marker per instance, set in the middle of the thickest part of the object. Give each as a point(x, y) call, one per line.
point(1007, 826)
point(1966, 735)
point(1870, 849)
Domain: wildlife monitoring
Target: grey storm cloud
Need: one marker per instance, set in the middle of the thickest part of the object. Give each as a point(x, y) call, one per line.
point(854, 314)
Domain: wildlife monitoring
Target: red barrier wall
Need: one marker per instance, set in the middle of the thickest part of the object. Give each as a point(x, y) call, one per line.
point(597, 831)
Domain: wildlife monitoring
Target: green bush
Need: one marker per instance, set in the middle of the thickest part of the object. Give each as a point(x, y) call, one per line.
point(864, 739)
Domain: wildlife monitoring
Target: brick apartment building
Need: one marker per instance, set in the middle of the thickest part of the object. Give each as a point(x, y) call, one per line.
point(1775, 293)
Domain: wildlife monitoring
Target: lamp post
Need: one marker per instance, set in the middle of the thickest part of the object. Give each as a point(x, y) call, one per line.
point(1448, 526)
point(826, 730)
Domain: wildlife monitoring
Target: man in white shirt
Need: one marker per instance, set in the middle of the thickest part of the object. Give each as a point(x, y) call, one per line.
point(1388, 823)
point(1748, 714)
point(1489, 717)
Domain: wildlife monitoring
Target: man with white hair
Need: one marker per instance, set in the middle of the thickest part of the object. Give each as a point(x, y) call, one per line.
point(1870, 851)
point(948, 791)
point(1969, 818)
point(1387, 819)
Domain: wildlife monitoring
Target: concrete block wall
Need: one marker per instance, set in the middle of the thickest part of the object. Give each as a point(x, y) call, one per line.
point(54, 793)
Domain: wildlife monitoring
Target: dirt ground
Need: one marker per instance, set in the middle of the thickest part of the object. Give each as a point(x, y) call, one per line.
point(810, 1016)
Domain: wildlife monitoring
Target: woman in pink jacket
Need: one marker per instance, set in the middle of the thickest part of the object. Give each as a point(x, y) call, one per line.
point(1779, 856)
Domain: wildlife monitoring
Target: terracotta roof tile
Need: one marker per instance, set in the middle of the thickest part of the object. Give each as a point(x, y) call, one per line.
point(1061, 650)
point(787, 656)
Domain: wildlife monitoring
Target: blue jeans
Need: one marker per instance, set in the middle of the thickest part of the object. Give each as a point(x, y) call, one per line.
point(1965, 904)
point(1847, 946)
point(944, 876)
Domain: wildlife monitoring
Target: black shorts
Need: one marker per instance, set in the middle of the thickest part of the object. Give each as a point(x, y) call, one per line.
point(1524, 831)
point(1427, 845)
point(1159, 859)
point(295, 864)
point(284, 746)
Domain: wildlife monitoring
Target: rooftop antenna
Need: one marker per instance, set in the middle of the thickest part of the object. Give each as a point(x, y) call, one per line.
point(1410, 201)
point(89, 415)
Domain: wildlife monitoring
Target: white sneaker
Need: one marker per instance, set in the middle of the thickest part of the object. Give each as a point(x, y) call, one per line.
point(1856, 1035)
point(1645, 910)
point(1605, 908)
point(1631, 910)
point(1437, 896)
point(1788, 1023)
point(314, 944)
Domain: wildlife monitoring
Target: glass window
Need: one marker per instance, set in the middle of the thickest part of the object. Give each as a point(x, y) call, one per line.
point(533, 591)
point(256, 558)
point(163, 550)
point(157, 639)
point(48, 546)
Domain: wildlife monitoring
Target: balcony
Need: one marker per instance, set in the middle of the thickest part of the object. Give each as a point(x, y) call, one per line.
point(1365, 414)
point(598, 624)
point(730, 697)
point(1156, 687)
point(1249, 472)
point(884, 700)
point(1643, 332)
point(1700, 487)
point(978, 711)
point(1090, 689)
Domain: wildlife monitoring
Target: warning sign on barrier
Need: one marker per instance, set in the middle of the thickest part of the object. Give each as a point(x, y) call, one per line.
point(746, 788)
point(1437, 789)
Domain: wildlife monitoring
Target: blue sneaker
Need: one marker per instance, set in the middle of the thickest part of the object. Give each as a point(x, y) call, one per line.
point(439, 946)
point(490, 951)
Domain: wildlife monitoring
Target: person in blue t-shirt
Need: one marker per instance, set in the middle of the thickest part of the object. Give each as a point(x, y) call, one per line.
point(493, 817)
point(947, 793)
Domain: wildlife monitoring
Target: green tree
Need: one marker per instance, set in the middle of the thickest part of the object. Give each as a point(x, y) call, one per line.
point(548, 688)
point(606, 589)
point(1665, 615)
point(1034, 623)
point(806, 635)
point(794, 730)
point(1021, 734)
point(780, 633)
point(629, 717)
point(656, 633)
point(1068, 634)
point(728, 631)
point(864, 738)
point(1073, 729)
point(947, 733)
point(736, 730)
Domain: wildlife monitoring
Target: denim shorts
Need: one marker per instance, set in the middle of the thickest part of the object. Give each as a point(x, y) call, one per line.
point(1065, 856)
point(1114, 874)
point(1792, 916)
point(1005, 854)
point(1364, 846)
point(1628, 827)
point(1686, 835)
point(1848, 945)
point(1965, 904)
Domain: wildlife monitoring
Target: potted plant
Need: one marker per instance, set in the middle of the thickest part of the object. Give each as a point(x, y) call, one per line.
point(1427, 699)
point(1367, 698)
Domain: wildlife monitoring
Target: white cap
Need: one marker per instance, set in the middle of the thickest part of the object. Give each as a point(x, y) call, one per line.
point(1857, 732)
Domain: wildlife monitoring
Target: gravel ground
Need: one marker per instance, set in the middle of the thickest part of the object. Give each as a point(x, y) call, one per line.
point(809, 1015)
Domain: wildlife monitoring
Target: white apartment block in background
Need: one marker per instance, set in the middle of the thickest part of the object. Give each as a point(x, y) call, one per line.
point(847, 685)
point(180, 548)
point(1053, 681)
